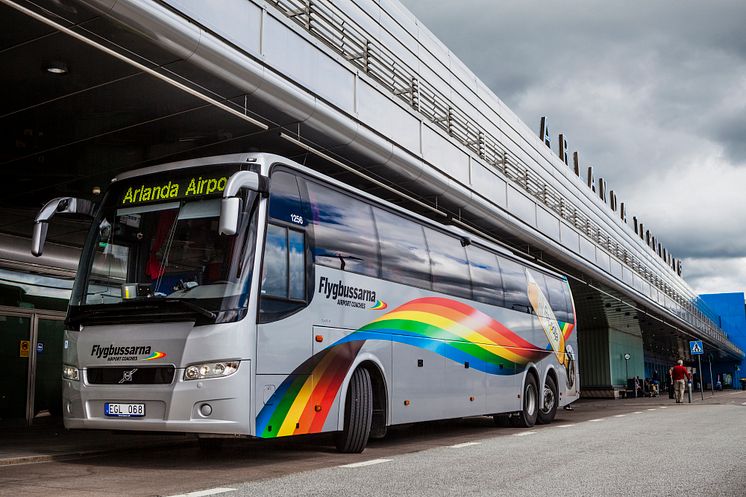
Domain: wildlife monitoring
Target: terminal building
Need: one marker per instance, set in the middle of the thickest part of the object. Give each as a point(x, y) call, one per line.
point(101, 87)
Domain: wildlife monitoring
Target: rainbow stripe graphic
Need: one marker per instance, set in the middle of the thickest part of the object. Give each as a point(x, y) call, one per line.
point(566, 329)
point(449, 328)
point(156, 355)
point(379, 306)
point(302, 402)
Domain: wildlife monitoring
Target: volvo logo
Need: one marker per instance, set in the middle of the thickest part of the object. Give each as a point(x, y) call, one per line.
point(127, 376)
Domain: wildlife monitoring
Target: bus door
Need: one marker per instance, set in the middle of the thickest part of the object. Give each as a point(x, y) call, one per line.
point(284, 328)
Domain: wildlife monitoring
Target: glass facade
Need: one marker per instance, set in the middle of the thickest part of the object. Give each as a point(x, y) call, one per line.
point(31, 340)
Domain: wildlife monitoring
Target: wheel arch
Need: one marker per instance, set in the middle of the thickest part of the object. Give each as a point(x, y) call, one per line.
point(533, 370)
point(380, 390)
point(551, 372)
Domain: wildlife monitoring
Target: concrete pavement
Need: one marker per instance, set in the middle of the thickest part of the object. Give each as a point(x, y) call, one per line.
point(50, 441)
point(607, 441)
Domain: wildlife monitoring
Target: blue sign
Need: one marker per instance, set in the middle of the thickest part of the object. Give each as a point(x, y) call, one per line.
point(39, 347)
point(696, 347)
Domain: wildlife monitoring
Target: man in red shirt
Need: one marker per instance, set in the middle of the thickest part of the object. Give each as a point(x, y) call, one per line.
point(679, 374)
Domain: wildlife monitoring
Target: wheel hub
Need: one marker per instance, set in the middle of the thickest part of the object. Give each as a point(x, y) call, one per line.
point(530, 400)
point(548, 402)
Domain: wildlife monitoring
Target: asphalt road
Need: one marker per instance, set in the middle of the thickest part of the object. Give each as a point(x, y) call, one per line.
point(634, 447)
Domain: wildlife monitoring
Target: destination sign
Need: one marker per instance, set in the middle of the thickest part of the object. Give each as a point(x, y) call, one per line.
point(171, 189)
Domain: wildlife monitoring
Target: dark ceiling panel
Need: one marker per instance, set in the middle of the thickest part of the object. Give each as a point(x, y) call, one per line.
point(74, 168)
point(99, 111)
point(27, 80)
point(17, 28)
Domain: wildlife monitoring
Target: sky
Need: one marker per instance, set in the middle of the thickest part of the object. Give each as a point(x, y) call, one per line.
point(652, 94)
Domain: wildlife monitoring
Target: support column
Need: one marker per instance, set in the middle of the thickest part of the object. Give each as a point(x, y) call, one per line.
point(603, 371)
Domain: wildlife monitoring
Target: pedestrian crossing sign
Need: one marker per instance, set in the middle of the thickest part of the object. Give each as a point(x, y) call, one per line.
point(696, 347)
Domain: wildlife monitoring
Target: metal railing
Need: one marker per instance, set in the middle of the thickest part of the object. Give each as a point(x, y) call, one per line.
point(328, 24)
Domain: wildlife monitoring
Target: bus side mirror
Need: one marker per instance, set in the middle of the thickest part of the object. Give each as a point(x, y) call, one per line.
point(230, 207)
point(60, 205)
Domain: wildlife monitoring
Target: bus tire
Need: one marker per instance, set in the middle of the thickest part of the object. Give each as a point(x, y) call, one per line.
point(358, 414)
point(526, 417)
point(549, 402)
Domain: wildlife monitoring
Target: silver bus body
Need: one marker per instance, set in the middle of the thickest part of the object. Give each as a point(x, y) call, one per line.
point(432, 355)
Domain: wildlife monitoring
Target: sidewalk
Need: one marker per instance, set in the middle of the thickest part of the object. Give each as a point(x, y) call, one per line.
point(719, 397)
point(51, 442)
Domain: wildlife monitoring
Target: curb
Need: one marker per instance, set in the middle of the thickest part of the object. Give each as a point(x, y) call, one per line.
point(80, 454)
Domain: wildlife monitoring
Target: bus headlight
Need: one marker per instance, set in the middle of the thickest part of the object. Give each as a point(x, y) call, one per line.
point(70, 372)
point(210, 370)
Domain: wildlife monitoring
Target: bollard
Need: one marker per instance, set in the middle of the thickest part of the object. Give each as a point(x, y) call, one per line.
point(689, 390)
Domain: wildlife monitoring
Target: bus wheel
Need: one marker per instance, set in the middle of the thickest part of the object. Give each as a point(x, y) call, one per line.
point(526, 418)
point(549, 402)
point(358, 414)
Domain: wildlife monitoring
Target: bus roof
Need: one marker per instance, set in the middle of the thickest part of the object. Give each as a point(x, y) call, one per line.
point(201, 161)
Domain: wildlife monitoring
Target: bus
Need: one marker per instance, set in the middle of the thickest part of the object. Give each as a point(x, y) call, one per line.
point(248, 295)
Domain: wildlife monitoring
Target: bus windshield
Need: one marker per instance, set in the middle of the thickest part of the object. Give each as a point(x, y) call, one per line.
point(164, 254)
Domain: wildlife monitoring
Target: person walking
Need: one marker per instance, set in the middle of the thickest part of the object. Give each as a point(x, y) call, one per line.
point(669, 383)
point(679, 375)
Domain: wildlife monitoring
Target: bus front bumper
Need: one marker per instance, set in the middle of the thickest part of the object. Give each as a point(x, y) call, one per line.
point(214, 406)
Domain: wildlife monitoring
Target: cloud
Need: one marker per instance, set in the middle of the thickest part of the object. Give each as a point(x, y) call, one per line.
point(698, 210)
point(730, 131)
point(716, 275)
point(652, 94)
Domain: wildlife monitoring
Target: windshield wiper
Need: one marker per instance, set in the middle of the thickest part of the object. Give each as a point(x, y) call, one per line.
point(146, 310)
point(192, 306)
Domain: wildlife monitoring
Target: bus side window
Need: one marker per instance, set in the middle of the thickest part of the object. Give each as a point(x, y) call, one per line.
point(404, 256)
point(284, 199)
point(558, 299)
point(297, 265)
point(515, 284)
point(344, 233)
point(284, 272)
point(449, 266)
point(486, 281)
point(541, 280)
point(275, 277)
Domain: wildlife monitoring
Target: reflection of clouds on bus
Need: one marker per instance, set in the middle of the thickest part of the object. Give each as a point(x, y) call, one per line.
point(346, 226)
point(349, 234)
point(275, 277)
point(448, 264)
point(296, 258)
point(403, 249)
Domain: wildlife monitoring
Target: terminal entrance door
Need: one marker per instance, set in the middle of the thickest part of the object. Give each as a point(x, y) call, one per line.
point(31, 344)
point(47, 373)
point(15, 350)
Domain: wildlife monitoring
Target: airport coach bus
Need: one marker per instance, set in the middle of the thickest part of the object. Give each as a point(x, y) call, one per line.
point(247, 295)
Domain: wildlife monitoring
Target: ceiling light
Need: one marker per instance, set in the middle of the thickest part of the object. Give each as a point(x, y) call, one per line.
point(57, 67)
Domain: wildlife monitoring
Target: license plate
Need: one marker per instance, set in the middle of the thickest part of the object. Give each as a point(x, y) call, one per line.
point(120, 410)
